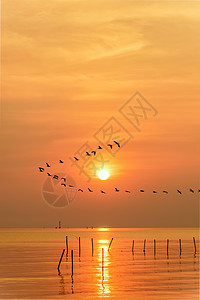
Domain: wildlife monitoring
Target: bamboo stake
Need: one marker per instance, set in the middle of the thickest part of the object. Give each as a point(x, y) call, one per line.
point(102, 259)
point(60, 260)
point(67, 248)
point(195, 248)
point(167, 247)
point(154, 242)
point(110, 244)
point(180, 246)
point(79, 246)
point(92, 246)
point(133, 247)
point(144, 246)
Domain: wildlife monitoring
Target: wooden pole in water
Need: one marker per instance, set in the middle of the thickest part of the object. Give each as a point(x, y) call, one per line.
point(61, 260)
point(180, 246)
point(154, 242)
point(167, 247)
point(144, 246)
point(133, 247)
point(67, 249)
point(72, 259)
point(92, 246)
point(102, 258)
point(79, 246)
point(195, 248)
point(110, 243)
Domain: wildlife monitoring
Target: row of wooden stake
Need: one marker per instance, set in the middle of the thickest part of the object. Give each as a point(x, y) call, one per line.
point(92, 242)
point(180, 246)
point(79, 245)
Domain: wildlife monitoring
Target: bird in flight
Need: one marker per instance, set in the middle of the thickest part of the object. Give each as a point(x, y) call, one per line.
point(166, 192)
point(41, 169)
point(117, 143)
point(103, 192)
point(109, 145)
point(60, 161)
point(63, 184)
point(127, 191)
point(71, 185)
point(80, 190)
point(99, 147)
point(63, 178)
point(55, 176)
point(154, 192)
point(90, 190)
point(48, 166)
point(87, 153)
point(75, 158)
point(49, 174)
point(94, 152)
point(178, 191)
point(142, 191)
point(192, 191)
point(116, 190)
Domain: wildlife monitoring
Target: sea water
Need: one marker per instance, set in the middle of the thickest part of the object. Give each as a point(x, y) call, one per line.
point(29, 260)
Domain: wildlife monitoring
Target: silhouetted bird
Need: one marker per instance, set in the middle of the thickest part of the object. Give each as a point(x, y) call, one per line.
point(60, 161)
point(166, 192)
point(48, 166)
point(99, 147)
point(71, 185)
point(179, 192)
point(94, 152)
point(192, 191)
point(127, 191)
point(117, 143)
point(87, 153)
point(142, 191)
point(199, 191)
point(41, 169)
point(63, 184)
point(80, 190)
point(75, 158)
point(109, 145)
point(103, 192)
point(90, 190)
point(49, 174)
point(55, 176)
point(116, 190)
point(63, 178)
point(154, 192)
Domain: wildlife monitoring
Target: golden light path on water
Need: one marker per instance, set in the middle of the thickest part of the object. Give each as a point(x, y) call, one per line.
point(103, 275)
point(102, 269)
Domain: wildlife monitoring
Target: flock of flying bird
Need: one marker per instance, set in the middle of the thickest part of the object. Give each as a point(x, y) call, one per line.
point(63, 182)
point(99, 148)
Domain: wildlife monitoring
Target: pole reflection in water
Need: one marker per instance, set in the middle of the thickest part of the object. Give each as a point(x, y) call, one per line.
point(72, 287)
point(62, 284)
point(103, 276)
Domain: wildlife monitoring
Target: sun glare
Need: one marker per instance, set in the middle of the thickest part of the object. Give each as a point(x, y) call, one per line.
point(103, 174)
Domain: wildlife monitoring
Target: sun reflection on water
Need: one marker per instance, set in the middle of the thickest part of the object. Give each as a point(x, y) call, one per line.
point(103, 229)
point(102, 270)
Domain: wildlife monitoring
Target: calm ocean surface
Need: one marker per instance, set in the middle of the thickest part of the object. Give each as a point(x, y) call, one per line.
point(29, 259)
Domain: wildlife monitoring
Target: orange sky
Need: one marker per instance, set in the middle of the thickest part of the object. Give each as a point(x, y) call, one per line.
point(67, 68)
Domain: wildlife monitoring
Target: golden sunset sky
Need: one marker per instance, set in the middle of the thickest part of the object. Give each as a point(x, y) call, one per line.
point(67, 68)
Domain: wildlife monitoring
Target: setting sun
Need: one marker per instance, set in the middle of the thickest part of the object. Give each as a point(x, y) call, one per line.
point(103, 174)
